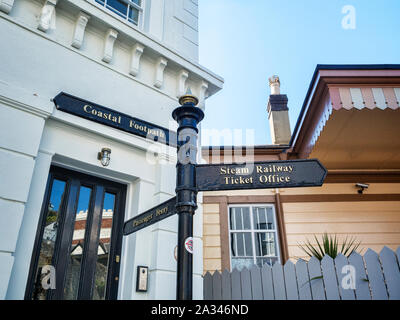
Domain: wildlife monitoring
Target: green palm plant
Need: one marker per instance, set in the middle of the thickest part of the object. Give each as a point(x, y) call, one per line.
point(329, 245)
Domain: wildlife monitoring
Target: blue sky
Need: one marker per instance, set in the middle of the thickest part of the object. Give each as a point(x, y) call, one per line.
point(246, 42)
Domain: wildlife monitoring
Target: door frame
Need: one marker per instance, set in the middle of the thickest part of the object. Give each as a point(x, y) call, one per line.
point(68, 208)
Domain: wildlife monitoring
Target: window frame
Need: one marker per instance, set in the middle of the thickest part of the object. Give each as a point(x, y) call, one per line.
point(253, 231)
point(112, 12)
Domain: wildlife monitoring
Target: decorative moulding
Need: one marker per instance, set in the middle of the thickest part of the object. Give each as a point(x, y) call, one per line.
point(203, 93)
point(79, 32)
point(109, 40)
point(365, 97)
point(160, 66)
point(6, 5)
point(136, 54)
point(183, 75)
point(47, 16)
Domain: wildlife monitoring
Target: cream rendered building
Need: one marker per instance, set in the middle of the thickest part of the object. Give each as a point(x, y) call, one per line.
point(135, 57)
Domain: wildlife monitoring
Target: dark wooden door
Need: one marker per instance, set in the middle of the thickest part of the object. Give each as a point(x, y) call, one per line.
point(78, 243)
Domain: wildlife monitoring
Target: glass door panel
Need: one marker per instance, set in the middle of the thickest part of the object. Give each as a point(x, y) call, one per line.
point(77, 244)
point(104, 247)
point(48, 241)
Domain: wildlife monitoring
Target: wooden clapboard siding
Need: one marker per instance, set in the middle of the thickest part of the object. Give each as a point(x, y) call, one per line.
point(211, 237)
point(231, 193)
point(375, 223)
point(344, 188)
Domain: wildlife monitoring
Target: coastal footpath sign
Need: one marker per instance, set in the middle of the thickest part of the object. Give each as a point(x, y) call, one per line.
point(94, 112)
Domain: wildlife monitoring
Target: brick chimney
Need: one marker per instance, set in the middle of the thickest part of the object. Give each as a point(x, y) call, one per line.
point(278, 113)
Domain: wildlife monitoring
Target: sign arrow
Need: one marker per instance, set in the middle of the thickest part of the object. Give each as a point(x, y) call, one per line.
point(149, 217)
point(260, 175)
point(97, 113)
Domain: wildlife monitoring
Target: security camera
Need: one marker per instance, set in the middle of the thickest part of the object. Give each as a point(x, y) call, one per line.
point(362, 186)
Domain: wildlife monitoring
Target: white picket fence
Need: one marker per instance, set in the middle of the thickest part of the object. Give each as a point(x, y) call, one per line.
point(367, 277)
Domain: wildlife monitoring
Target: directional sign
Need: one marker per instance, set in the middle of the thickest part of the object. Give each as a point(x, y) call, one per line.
point(97, 113)
point(260, 175)
point(156, 214)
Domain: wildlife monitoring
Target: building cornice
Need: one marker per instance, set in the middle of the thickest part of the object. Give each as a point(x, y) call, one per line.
point(129, 36)
point(106, 65)
point(175, 59)
point(25, 101)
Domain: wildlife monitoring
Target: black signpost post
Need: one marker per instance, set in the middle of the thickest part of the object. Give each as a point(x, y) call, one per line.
point(188, 117)
point(191, 178)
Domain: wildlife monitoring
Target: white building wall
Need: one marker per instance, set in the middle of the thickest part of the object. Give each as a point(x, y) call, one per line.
point(35, 66)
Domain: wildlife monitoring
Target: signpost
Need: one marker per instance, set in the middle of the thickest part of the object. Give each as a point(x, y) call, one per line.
point(192, 178)
point(147, 218)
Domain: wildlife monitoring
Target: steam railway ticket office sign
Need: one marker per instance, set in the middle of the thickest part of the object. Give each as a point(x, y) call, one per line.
point(260, 175)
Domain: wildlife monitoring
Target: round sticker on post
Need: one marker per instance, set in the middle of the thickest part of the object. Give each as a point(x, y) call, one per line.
point(189, 245)
point(176, 253)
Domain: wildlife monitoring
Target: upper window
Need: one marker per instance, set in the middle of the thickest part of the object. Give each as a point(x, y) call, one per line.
point(253, 236)
point(130, 10)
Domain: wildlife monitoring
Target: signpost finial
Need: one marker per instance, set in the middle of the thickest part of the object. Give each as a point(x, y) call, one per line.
point(188, 98)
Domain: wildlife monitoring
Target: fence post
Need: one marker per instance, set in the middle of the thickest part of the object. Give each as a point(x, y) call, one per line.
point(391, 273)
point(316, 281)
point(290, 281)
point(226, 285)
point(375, 276)
point(256, 284)
point(340, 262)
point(362, 282)
point(267, 286)
point(207, 287)
point(330, 281)
point(303, 280)
point(236, 287)
point(279, 282)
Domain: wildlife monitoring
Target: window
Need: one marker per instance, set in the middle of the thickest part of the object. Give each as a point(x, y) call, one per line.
point(130, 10)
point(253, 236)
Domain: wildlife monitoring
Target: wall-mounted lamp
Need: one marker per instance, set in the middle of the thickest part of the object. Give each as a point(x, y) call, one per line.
point(104, 156)
point(361, 187)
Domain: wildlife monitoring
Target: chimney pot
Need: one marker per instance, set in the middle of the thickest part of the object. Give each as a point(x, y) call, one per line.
point(278, 113)
point(275, 85)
